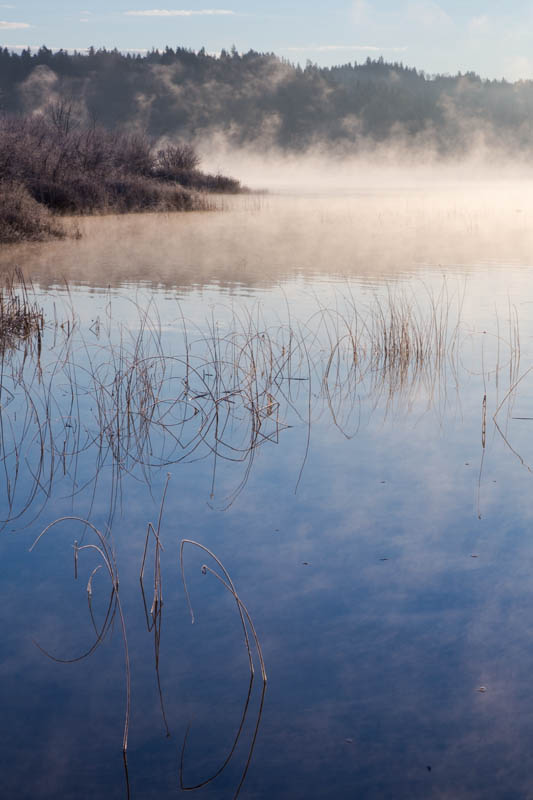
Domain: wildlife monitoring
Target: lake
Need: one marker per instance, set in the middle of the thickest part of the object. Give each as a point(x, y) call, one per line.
point(332, 394)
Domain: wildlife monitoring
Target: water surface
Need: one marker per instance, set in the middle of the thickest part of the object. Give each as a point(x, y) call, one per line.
point(373, 511)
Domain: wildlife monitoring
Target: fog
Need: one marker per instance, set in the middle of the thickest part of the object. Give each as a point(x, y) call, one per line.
point(356, 220)
point(395, 166)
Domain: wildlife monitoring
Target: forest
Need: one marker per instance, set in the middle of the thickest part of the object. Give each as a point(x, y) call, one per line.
point(262, 100)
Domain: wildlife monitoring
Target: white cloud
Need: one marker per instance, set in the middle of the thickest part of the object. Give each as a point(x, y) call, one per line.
point(427, 13)
point(518, 68)
point(481, 23)
point(13, 26)
point(161, 12)
point(360, 10)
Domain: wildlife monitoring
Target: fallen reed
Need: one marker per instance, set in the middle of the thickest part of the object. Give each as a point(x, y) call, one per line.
point(105, 552)
point(249, 631)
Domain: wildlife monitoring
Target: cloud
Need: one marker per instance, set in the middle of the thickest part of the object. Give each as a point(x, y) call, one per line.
point(479, 23)
point(331, 48)
point(518, 67)
point(360, 10)
point(13, 26)
point(161, 12)
point(427, 13)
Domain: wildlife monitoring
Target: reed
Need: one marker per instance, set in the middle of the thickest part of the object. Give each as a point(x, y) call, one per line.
point(154, 617)
point(20, 317)
point(223, 577)
point(103, 549)
point(116, 398)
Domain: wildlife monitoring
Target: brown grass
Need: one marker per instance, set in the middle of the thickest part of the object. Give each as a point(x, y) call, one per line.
point(22, 218)
point(20, 317)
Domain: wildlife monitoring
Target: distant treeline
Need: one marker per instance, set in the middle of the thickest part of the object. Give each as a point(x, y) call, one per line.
point(261, 99)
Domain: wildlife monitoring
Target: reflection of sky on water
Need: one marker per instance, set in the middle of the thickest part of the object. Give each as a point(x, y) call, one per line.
point(382, 601)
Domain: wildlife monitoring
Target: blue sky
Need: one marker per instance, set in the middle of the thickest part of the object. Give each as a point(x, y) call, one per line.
point(492, 38)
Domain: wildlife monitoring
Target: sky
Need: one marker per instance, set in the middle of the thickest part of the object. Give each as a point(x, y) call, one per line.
point(491, 37)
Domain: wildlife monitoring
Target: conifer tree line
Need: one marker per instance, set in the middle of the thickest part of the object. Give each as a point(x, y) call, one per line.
point(259, 98)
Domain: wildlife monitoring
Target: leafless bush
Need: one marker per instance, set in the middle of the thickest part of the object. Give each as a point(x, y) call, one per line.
point(177, 158)
point(72, 168)
point(135, 155)
point(180, 163)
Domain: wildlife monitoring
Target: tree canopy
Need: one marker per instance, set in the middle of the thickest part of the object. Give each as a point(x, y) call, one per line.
point(263, 99)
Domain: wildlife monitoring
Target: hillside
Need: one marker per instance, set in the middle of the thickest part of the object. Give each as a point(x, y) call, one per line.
point(258, 98)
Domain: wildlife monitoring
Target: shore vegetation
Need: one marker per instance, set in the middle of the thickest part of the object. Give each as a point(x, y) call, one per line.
point(52, 164)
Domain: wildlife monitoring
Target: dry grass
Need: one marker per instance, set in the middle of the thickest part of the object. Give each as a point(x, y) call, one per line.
point(22, 218)
point(21, 318)
point(225, 394)
point(119, 400)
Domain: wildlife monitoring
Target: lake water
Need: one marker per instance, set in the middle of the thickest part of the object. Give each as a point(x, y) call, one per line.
point(339, 388)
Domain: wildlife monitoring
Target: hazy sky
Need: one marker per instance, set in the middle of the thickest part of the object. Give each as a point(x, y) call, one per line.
point(492, 37)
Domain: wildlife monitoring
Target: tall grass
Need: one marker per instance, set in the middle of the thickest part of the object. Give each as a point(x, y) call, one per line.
point(22, 218)
point(21, 317)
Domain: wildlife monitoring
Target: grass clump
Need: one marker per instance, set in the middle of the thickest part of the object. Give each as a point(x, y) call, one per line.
point(20, 318)
point(22, 218)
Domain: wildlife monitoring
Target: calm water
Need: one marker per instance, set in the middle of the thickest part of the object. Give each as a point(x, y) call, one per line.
point(374, 512)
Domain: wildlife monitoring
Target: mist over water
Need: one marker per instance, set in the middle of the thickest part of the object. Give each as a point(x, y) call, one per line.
point(354, 221)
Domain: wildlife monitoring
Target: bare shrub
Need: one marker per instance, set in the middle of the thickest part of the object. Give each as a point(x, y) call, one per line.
point(73, 168)
point(180, 163)
point(176, 158)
